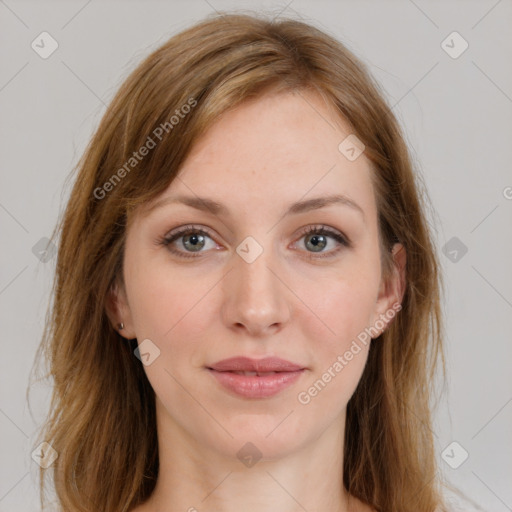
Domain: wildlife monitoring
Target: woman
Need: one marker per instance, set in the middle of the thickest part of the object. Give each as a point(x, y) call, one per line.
point(247, 300)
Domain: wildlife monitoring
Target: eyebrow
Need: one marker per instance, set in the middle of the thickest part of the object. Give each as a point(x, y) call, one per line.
point(209, 205)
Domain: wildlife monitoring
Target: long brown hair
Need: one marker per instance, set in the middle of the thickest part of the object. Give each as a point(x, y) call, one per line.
point(102, 414)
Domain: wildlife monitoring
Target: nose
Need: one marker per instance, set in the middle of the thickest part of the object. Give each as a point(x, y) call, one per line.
point(255, 297)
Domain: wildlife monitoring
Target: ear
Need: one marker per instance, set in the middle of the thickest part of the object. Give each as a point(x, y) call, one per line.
point(118, 310)
point(391, 291)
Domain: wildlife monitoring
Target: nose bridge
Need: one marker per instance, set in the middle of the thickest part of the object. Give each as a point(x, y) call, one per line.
point(255, 297)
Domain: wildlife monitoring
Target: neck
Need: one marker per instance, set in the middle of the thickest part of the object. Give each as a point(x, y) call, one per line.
point(201, 478)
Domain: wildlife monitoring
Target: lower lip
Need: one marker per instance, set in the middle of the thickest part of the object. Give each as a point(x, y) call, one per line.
point(254, 386)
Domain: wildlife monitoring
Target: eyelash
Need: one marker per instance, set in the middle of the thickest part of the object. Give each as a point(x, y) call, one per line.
point(317, 230)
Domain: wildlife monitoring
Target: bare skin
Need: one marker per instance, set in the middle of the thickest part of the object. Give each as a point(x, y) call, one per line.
point(289, 302)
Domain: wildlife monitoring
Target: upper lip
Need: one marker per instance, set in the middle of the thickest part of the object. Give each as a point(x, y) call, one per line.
point(268, 364)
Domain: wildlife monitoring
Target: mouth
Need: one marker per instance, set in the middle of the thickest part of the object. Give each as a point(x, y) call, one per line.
point(251, 378)
point(254, 374)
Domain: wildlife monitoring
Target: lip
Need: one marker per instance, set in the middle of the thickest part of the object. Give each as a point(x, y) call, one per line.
point(256, 386)
point(247, 364)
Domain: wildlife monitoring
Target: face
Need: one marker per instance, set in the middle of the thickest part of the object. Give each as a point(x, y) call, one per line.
point(258, 278)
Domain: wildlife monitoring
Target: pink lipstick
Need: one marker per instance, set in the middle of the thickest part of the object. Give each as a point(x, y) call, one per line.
point(256, 378)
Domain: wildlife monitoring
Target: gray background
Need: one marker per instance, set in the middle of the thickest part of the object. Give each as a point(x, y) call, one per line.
point(457, 117)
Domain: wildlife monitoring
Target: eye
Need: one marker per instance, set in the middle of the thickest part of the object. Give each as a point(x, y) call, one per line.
point(193, 240)
point(317, 238)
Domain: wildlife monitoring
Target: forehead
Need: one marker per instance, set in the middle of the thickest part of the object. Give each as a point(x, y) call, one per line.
point(276, 149)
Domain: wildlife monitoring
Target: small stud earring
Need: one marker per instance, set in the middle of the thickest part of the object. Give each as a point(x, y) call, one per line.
point(120, 326)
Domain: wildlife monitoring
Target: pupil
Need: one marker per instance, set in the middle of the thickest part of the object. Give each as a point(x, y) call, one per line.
point(194, 239)
point(315, 239)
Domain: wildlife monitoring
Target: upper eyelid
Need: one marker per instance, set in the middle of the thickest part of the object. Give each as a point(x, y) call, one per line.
point(183, 230)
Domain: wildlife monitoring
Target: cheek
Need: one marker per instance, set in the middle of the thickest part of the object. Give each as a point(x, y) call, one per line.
point(341, 299)
point(336, 335)
point(172, 310)
point(326, 394)
point(340, 309)
point(340, 354)
point(163, 302)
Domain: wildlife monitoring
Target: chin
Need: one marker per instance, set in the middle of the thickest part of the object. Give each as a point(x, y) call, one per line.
point(267, 435)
